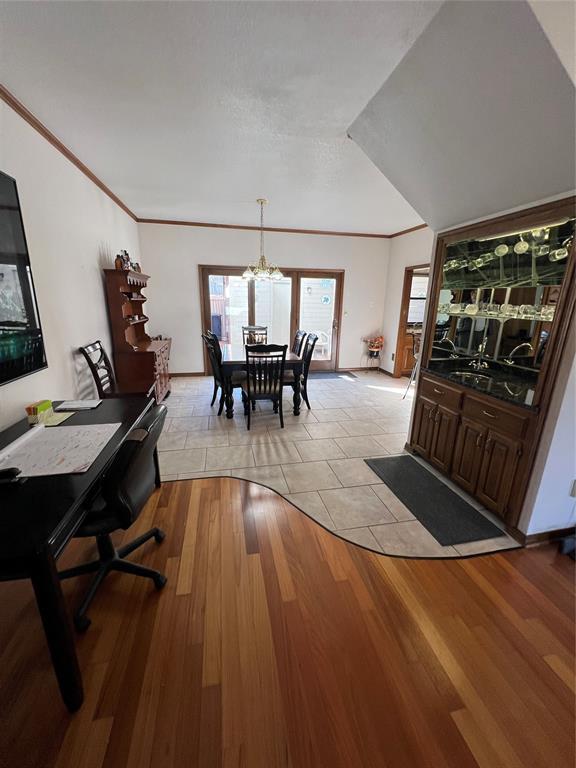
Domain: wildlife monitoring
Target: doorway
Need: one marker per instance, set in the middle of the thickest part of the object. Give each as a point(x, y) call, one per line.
point(412, 309)
point(303, 298)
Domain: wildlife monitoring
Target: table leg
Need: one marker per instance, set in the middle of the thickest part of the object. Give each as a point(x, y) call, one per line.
point(229, 399)
point(58, 628)
point(297, 398)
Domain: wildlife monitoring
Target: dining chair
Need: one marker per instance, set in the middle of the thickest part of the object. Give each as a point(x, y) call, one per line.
point(298, 342)
point(255, 334)
point(307, 359)
point(126, 487)
point(103, 373)
point(215, 357)
point(265, 365)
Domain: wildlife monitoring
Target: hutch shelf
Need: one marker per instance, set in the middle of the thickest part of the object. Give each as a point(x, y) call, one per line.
point(141, 363)
point(501, 304)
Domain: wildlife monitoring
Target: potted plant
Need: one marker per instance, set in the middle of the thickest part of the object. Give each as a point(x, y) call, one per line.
point(375, 344)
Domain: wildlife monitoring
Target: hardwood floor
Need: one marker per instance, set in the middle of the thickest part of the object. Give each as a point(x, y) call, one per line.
point(275, 643)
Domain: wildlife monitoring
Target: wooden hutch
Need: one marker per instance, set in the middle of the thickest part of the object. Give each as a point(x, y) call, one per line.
point(140, 363)
point(501, 304)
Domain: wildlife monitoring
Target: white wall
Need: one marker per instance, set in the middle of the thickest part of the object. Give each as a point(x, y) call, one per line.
point(549, 505)
point(73, 230)
point(172, 254)
point(405, 251)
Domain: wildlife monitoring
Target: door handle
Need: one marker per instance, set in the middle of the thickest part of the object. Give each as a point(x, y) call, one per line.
point(479, 440)
point(488, 444)
point(490, 415)
point(438, 391)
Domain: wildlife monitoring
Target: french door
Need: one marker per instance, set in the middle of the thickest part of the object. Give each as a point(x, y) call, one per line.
point(307, 299)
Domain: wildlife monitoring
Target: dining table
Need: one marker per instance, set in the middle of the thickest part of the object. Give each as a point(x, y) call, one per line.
point(231, 362)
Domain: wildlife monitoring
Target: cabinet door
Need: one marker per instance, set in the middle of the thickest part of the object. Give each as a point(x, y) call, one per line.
point(442, 445)
point(423, 428)
point(498, 465)
point(468, 454)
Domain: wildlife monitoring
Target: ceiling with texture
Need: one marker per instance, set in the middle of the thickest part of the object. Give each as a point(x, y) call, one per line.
point(192, 110)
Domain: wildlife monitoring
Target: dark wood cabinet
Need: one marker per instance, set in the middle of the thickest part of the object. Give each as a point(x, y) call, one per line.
point(468, 454)
point(500, 456)
point(443, 436)
point(140, 363)
point(423, 427)
point(496, 328)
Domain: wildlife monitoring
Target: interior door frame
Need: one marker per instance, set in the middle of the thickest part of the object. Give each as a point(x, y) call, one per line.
point(403, 320)
point(295, 274)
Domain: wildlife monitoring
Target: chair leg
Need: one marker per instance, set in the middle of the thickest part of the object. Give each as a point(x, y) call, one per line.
point(412, 377)
point(304, 393)
point(157, 478)
point(253, 405)
point(81, 621)
point(248, 412)
point(222, 401)
point(80, 570)
point(214, 395)
point(139, 570)
point(281, 410)
point(154, 533)
point(275, 406)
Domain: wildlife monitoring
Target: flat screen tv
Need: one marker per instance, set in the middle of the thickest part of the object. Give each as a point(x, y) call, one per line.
point(21, 343)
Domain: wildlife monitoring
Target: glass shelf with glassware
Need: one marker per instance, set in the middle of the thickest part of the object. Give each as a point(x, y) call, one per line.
point(496, 307)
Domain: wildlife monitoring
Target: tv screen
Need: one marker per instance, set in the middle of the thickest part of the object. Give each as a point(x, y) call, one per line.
point(21, 343)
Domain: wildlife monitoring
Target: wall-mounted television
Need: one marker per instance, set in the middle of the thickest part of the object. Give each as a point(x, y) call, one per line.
point(21, 343)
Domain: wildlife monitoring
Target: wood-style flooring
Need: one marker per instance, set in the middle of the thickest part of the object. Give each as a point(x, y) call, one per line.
point(276, 643)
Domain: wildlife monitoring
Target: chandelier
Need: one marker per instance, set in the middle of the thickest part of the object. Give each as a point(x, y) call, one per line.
point(262, 270)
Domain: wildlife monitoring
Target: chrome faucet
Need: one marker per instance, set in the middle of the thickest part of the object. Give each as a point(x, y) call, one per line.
point(509, 361)
point(478, 364)
point(446, 340)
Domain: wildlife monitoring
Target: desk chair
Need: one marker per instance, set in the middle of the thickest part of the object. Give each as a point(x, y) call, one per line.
point(126, 487)
point(264, 377)
point(103, 373)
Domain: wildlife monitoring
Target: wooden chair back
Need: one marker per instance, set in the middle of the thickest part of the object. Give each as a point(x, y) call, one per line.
point(311, 340)
point(255, 334)
point(100, 368)
point(214, 354)
point(265, 365)
point(298, 342)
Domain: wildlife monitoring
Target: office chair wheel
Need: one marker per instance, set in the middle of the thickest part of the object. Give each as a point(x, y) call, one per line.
point(160, 581)
point(81, 623)
point(159, 536)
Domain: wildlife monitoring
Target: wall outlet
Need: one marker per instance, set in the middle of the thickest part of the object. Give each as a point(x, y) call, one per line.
point(394, 355)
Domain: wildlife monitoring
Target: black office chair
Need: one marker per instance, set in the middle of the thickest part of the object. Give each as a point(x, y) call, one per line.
point(126, 487)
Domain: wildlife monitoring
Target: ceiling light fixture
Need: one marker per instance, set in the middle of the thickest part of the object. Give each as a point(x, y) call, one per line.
point(262, 270)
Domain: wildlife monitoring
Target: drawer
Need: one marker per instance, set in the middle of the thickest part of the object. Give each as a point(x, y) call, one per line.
point(497, 418)
point(440, 393)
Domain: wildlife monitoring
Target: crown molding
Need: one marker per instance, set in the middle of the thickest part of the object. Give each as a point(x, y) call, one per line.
point(8, 98)
point(11, 100)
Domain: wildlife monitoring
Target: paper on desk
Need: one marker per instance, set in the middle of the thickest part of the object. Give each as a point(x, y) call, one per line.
point(59, 451)
point(78, 405)
point(56, 418)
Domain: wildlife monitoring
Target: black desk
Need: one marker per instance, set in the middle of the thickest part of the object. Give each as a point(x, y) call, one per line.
point(40, 516)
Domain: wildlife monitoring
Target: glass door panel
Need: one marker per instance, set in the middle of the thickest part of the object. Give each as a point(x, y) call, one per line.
point(273, 306)
point(318, 297)
point(228, 297)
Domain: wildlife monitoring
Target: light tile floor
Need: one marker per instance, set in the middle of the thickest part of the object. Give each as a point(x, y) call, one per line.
point(317, 460)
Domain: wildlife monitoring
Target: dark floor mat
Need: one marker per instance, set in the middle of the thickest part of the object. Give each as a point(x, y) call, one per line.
point(449, 518)
point(331, 375)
